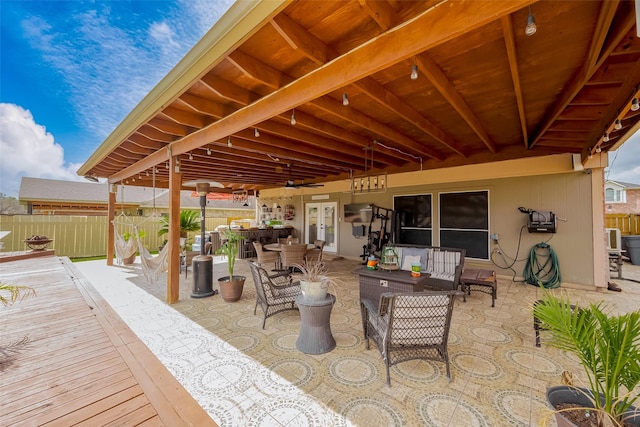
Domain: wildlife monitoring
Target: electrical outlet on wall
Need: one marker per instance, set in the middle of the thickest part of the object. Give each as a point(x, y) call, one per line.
point(494, 237)
point(384, 283)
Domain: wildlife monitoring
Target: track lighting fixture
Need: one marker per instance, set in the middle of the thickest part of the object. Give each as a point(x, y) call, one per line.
point(345, 99)
point(414, 72)
point(229, 144)
point(190, 156)
point(140, 177)
point(256, 133)
point(598, 149)
point(167, 165)
point(635, 105)
point(208, 151)
point(147, 173)
point(531, 27)
point(618, 125)
point(605, 138)
point(133, 179)
point(590, 156)
point(293, 117)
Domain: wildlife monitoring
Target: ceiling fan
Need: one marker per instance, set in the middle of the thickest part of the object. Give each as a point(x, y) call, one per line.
point(291, 183)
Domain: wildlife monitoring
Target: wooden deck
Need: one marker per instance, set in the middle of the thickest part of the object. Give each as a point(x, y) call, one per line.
point(82, 364)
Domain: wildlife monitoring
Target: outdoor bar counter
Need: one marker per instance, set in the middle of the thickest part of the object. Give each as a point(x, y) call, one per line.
point(264, 236)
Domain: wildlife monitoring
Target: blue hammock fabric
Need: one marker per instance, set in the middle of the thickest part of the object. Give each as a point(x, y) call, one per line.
point(542, 267)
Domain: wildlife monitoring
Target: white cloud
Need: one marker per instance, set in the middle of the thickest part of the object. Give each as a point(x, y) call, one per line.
point(109, 67)
point(164, 36)
point(27, 149)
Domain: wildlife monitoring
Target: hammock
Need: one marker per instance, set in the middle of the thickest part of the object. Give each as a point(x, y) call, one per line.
point(153, 266)
point(124, 249)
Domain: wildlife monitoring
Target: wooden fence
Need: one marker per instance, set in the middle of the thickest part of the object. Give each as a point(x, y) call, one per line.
point(82, 236)
point(626, 223)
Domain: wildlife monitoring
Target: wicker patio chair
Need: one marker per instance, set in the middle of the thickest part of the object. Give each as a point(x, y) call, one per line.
point(265, 257)
point(274, 293)
point(408, 326)
point(292, 255)
point(315, 254)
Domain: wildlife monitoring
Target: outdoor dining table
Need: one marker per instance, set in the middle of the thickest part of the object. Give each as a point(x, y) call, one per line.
point(277, 247)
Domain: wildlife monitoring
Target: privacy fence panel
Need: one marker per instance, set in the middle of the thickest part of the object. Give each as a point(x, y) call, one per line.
point(83, 236)
point(626, 223)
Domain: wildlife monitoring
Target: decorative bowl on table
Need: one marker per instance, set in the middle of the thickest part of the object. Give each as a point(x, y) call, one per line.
point(38, 243)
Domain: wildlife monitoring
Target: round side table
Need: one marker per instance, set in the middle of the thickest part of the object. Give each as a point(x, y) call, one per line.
point(315, 331)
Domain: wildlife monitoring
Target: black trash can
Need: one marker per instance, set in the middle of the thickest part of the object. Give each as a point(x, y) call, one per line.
point(632, 244)
point(202, 276)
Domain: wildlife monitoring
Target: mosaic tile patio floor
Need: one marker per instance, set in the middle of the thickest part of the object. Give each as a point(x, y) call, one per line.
point(243, 375)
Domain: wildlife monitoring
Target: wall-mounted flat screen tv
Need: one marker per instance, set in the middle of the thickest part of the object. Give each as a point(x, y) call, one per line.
point(357, 212)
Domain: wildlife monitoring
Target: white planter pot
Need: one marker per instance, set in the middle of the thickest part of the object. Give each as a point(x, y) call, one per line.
point(315, 290)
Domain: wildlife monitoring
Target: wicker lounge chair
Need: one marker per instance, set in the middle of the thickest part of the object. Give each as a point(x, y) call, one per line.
point(274, 293)
point(409, 326)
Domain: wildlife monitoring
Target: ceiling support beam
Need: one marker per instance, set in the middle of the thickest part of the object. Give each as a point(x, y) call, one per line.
point(595, 57)
point(512, 57)
point(398, 44)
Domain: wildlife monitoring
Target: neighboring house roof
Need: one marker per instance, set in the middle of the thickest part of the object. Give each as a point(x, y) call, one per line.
point(53, 190)
point(43, 190)
point(625, 185)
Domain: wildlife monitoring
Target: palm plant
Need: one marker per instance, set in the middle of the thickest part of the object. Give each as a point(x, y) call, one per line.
point(189, 221)
point(9, 294)
point(608, 347)
point(230, 248)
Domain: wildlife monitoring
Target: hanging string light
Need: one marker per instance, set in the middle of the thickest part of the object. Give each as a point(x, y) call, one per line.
point(345, 99)
point(293, 117)
point(618, 125)
point(414, 72)
point(531, 27)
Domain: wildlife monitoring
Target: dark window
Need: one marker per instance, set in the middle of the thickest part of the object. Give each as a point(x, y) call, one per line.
point(414, 219)
point(464, 222)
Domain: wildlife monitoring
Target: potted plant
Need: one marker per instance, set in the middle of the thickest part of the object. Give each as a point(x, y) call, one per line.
point(189, 221)
point(608, 347)
point(126, 236)
point(315, 279)
point(231, 286)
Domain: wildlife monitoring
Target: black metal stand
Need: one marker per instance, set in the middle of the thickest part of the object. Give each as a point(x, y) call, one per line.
point(202, 264)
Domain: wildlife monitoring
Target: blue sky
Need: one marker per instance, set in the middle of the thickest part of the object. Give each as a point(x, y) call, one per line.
point(72, 70)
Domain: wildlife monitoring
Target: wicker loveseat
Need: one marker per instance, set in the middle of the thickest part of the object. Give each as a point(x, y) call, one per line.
point(442, 266)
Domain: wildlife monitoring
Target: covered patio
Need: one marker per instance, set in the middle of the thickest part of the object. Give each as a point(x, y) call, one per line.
point(282, 94)
point(243, 375)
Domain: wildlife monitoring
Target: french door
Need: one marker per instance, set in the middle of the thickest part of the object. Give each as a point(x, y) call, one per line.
point(321, 221)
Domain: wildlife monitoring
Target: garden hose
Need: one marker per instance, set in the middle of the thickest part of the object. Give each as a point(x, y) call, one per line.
point(542, 267)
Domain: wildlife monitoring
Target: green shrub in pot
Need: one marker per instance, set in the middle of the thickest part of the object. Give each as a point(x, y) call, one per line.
point(608, 347)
